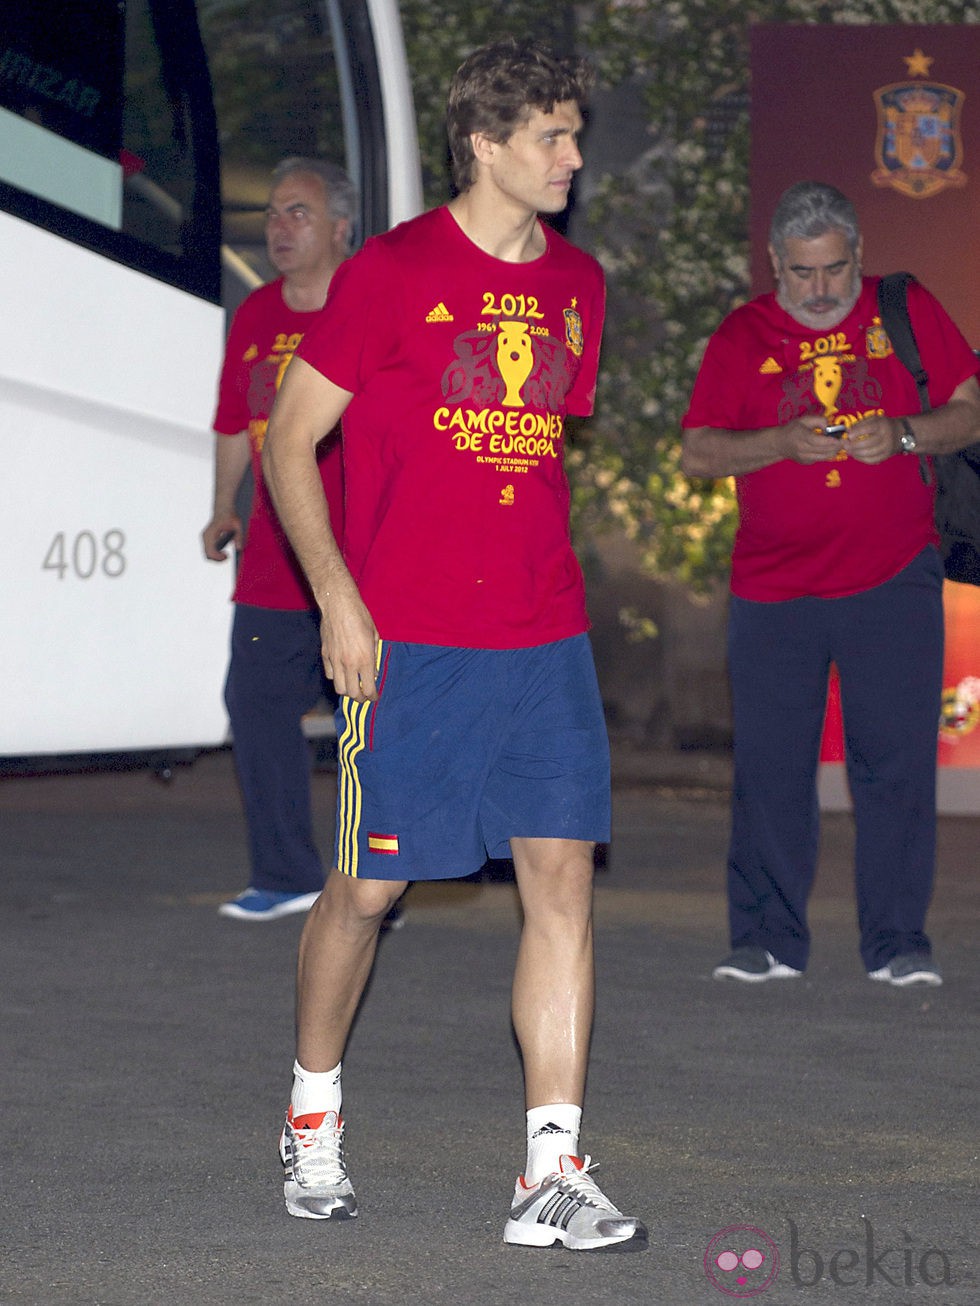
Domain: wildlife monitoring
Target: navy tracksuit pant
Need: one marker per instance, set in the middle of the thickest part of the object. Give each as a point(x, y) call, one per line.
point(275, 676)
point(887, 644)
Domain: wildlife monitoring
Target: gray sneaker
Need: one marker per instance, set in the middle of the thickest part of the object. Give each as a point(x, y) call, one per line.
point(909, 968)
point(753, 965)
point(316, 1185)
point(569, 1207)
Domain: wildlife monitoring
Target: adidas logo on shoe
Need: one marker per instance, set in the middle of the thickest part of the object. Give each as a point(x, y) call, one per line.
point(569, 1207)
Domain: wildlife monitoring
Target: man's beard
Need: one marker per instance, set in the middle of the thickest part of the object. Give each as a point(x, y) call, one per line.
point(834, 309)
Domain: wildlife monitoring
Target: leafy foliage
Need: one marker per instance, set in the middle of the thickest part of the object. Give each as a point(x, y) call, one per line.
point(275, 82)
point(440, 35)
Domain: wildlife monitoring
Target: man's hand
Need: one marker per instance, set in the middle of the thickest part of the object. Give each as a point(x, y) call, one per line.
point(349, 640)
point(874, 439)
point(804, 441)
point(219, 533)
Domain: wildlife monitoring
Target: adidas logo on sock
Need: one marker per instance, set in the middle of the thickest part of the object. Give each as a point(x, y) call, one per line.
point(550, 1128)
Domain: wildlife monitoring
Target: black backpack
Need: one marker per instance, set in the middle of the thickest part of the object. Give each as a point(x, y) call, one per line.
point(957, 475)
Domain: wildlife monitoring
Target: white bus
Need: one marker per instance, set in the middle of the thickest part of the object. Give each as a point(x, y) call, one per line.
point(117, 182)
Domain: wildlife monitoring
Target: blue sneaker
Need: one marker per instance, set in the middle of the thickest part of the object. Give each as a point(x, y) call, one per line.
point(262, 905)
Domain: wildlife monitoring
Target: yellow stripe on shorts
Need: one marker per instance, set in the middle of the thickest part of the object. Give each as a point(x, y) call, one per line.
point(352, 742)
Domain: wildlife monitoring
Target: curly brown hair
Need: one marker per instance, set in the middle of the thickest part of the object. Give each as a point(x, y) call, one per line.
point(496, 89)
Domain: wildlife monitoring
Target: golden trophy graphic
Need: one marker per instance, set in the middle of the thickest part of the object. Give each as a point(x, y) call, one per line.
point(515, 359)
point(827, 381)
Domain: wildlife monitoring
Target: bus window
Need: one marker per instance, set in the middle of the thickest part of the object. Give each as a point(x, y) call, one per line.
point(107, 133)
point(326, 79)
point(60, 107)
point(276, 94)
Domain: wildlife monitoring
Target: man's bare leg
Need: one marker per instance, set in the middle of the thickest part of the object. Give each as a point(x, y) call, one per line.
point(336, 953)
point(557, 1200)
point(554, 979)
point(335, 958)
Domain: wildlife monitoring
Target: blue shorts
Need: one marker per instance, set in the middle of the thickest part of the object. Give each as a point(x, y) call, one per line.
point(464, 750)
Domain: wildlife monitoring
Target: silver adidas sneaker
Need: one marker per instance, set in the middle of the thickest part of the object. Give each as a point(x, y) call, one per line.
point(316, 1185)
point(569, 1207)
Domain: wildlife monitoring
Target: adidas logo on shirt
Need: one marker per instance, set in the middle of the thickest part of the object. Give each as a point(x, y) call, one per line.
point(439, 314)
point(769, 367)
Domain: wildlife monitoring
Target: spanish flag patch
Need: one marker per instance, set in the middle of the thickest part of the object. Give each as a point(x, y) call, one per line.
point(383, 843)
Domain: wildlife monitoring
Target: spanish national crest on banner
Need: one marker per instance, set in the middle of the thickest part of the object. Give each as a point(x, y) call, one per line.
point(918, 150)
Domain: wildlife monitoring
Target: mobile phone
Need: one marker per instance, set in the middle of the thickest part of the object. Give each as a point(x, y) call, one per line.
point(836, 430)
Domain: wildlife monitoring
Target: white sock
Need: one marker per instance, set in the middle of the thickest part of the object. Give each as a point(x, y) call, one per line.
point(315, 1091)
point(552, 1132)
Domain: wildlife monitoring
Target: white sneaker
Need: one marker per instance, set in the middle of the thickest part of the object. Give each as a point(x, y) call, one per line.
point(909, 968)
point(569, 1207)
point(753, 965)
point(316, 1185)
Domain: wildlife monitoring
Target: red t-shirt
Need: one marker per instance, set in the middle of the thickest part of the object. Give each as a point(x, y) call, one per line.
point(263, 338)
point(463, 368)
point(830, 529)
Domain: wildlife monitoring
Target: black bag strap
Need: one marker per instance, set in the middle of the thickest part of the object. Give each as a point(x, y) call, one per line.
point(893, 307)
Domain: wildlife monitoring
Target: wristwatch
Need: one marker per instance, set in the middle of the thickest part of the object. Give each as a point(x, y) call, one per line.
point(907, 440)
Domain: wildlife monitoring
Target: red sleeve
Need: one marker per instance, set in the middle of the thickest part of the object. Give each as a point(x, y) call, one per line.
point(581, 398)
point(716, 397)
point(945, 354)
point(232, 413)
point(355, 332)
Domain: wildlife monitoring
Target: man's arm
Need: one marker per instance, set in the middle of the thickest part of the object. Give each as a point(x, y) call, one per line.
point(307, 407)
point(942, 430)
point(709, 452)
point(231, 459)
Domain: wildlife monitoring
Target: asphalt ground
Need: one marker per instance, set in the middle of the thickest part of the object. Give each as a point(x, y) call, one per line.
point(829, 1122)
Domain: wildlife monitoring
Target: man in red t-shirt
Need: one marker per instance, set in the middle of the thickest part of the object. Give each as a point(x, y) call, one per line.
point(275, 673)
point(454, 623)
point(802, 399)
